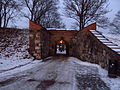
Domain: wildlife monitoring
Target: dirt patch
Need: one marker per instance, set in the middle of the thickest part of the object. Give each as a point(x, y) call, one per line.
point(63, 82)
point(60, 57)
point(31, 80)
point(47, 59)
point(8, 81)
point(86, 82)
point(45, 84)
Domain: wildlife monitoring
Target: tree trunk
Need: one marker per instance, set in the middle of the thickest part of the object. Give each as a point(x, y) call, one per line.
point(81, 23)
point(0, 15)
point(0, 20)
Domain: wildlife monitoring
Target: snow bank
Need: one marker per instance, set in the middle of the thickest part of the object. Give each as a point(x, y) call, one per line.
point(113, 83)
point(18, 66)
point(6, 65)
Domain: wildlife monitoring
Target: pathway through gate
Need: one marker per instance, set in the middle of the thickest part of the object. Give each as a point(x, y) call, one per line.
point(62, 73)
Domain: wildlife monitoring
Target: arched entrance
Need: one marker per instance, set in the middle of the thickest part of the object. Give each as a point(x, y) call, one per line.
point(61, 47)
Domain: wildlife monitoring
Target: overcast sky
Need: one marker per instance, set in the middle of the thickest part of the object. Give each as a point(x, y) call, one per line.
point(114, 6)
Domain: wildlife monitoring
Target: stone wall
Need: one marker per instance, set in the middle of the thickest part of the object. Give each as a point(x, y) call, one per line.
point(83, 44)
point(14, 43)
point(39, 41)
point(88, 48)
point(118, 68)
point(56, 35)
point(35, 46)
point(45, 40)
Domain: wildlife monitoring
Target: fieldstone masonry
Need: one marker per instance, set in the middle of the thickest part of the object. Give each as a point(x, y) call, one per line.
point(39, 41)
point(81, 44)
point(56, 35)
point(87, 45)
point(43, 42)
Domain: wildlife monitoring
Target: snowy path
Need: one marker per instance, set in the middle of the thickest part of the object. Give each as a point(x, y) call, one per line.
point(56, 74)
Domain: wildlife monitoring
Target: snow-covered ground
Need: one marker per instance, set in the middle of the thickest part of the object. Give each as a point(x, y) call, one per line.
point(66, 73)
point(10, 67)
point(115, 38)
point(61, 52)
point(6, 65)
point(14, 46)
point(113, 83)
point(15, 62)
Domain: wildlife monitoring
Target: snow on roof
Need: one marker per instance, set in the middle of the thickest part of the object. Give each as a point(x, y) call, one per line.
point(59, 29)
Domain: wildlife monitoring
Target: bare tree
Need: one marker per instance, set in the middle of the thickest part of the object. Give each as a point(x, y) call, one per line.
point(36, 7)
point(1, 13)
point(103, 22)
point(52, 19)
point(43, 12)
point(115, 25)
point(85, 11)
point(8, 10)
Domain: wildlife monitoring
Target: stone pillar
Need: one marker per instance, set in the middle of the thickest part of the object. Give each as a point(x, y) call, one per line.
point(35, 40)
point(35, 44)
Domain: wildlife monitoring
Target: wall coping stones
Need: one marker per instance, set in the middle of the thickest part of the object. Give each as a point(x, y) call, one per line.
point(105, 41)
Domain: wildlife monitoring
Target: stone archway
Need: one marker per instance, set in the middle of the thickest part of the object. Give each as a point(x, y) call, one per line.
point(61, 46)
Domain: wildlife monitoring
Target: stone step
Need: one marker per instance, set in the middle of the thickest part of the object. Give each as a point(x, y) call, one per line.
point(105, 41)
point(109, 44)
point(117, 50)
point(99, 35)
point(95, 32)
point(114, 47)
point(102, 38)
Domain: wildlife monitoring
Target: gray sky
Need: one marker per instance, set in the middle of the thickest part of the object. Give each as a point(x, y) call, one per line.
point(114, 6)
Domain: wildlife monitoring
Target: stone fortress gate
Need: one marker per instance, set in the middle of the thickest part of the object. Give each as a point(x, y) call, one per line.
point(87, 45)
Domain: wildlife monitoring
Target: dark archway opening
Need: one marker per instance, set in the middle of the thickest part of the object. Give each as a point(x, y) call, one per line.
point(61, 47)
